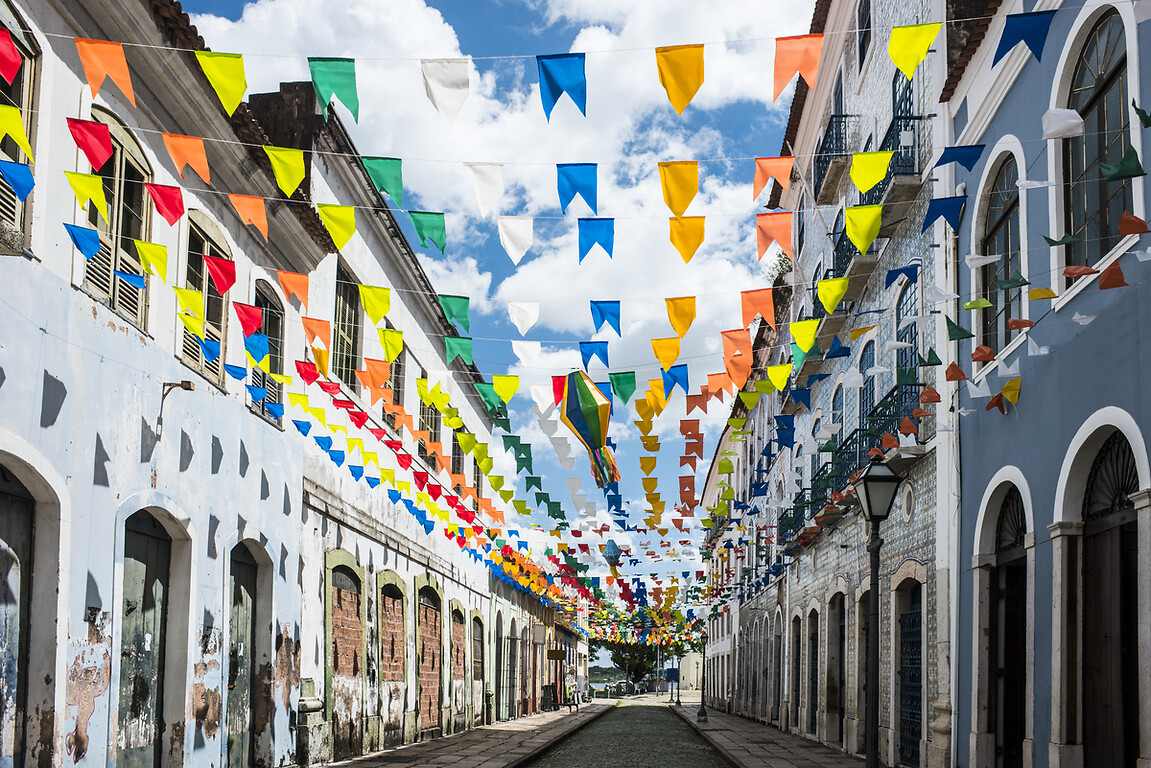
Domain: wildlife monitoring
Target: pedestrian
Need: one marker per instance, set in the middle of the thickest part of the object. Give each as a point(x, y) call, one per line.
point(570, 688)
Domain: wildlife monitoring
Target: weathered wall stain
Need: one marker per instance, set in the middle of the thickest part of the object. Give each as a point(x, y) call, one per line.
point(44, 745)
point(261, 705)
point(85, 684)
point(287, 674)
point(206, 708)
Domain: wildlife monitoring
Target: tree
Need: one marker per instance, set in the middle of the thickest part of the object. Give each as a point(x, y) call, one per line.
point(635, 661)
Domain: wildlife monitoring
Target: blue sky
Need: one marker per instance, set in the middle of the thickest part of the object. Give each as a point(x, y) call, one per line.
point(629, 128)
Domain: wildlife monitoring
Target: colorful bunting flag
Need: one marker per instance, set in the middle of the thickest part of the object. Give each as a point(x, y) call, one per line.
point(577, 179)
point(87, 241)
point(869, 168)
point(88, 187)
point(103, 59)
point(446, 81)
point(908, 45)
point(458, 346)
point(12, 125)
point(831, 292)
point(92, 137)
point(456, 309)
point(252, 210)
point(377, 301)
point(559, 74)
point(680, 181)
point(681, 313)
point(340, 221)
point(223, 272)
point(680, 70)
point(19, 177)
point(666, 351)
point(188, 151)
point(594, 232)
point(686, 234)
point(153, 258)
point(335, 78)
point(287, 166)
point(387, 176)
point(773, 228)
point(606, 312)
point(862, 222)
point(225, 73)
point(169, 202)
point(1027, 28)
point(10, 58)
point(799, 54)
point(516, 235)
point(430, 227)
point(758, 302)
point(771, 167)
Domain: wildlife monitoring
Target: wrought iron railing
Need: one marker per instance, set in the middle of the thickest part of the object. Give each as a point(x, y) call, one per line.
point(833, 144)
point(889, 412)
point(906, 157)
point(849, 456)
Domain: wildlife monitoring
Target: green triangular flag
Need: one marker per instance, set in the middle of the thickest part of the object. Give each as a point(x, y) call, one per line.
point(533, 482)
point(904, 377)
point(335, 77)
point(725, 467)
point(486, 390)
point(456, 308)
point(461, 347)
point(1016, 281)
point(387, 176)
point(956, 332)
point(1065, 240)
point(511, 442)
point(932, 358)
point(1127, 168)
point(797, 356)
point(980, 303)
point(737, 423)
point(430, 226)
point(623, 385)
point(1143, 116)
point(828, 447)
point(523, 464)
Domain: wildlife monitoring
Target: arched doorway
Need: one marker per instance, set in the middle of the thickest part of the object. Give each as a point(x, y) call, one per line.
point(501, 662)
point(1110, 609)
point(17, 509)
point(459, 672)
point(511, 658)
point(430, 638)
point(909, 673)
point(777, 670)
point(478, 715)
point(393, 663)
point(862, 654)
point(796, 666)
point(836, 667)
point(813, 672)
point(243, 574)
point(347, 662)
point(1007, 633)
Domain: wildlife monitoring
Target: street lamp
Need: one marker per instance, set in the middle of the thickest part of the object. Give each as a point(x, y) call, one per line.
point(875, 487)
point(679, 680)
point(701, 716)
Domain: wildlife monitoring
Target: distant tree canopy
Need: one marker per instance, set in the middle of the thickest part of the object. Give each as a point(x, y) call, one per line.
point(635, 661)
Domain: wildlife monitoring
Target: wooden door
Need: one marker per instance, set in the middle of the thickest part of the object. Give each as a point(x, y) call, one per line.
point(241, 658)
point(15, 581)
point(1010, 638)
point(147, 554)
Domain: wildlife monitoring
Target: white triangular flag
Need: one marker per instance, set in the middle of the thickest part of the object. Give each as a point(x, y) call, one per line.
point(875, 370)
point(894, 345)
point(853, 379)
point(523, 314)
point(515, 235)
point(574, 484)
point(1062, 124)
point(1033, 184)
point(567, 462)
point(914, 319)
point(542, 395)
point(1143, 254)
point(1008, 371)
point(1083, 319)
point(933, 293)
point(578, 500)
point(488, 179)
point(1034, 350)
point(908, 441)
point(527, 351)
point(978, 390)
point(446, 82)
point(975, 262)
point(549, 426)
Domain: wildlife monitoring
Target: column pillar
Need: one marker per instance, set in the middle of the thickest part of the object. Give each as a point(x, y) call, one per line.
point(1142, 501)
point(1065, 749)
point(982, 741)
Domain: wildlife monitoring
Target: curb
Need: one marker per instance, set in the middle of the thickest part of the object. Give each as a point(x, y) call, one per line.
point(730, 758)
point(545, 748)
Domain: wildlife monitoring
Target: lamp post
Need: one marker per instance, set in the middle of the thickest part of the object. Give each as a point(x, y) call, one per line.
point(875, 487)
point(679, 680)
point(701, 716)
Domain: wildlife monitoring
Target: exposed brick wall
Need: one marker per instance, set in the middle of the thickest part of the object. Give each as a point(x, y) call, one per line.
point(429, 634)
point(347, 633)
point(459, 647)
point(391, 637)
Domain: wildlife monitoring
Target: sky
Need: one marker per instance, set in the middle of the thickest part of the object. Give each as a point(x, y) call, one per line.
point(629, 128)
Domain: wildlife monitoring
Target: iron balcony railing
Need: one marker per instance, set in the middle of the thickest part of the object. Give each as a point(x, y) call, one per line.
point(833, 144)
point(842, 254)
point(906, 157)
point(851, 454)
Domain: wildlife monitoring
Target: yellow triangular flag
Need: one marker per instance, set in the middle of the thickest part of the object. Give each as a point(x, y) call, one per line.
point(1011, 390)
point(1036, 294)
point(655, 390)
point(831, 292)
point(686, 235)
point(908, 45)
point(340, 220)
point(370, 457)
point(680, 180)
point(190, 300)
point(681, 313)
point(377, 301)
point(393, 343)
point(506, 386)
point(803, 332)
point(153, 258)
point(779, 374)
point(298, 399)
point(354, 443)
point(320, 355)
point(863, 225)
point(89, 187)
point(765, 386)
point(317, 414)
point(282, 378)
point(667, 352)
point(857, 332)
point(12, 124)
point(869, 168)
point(225, 71)
point(466, 440)
point(288, 166)
point(647, 464)
point(194, 324)
point(680, 73)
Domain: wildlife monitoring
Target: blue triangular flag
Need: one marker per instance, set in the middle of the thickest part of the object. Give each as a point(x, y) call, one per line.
point(275, 410)
point(304, 426)
point(237, 372)
point(787, 421)
point(966, 156)
point(605, 312)
point(337, 457)
point(559, 74)
point(802, 396)
point(257, 393)
point(576, 179)
point(950, 208)
point(590, 349)
point(210, 348)
point(674, 376)
point(257, 346)
point(19, 177)
point(599, 232)
point(836, 349)
point(1027, 28)
point(357, 472)
point(325, 443)
point(87, 241)
point(911, 272)
point(136, 281)
point(373, 482)
point(393, 495)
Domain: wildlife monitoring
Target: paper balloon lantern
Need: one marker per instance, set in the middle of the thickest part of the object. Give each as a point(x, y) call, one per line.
point(585, 411)
point(611, 553)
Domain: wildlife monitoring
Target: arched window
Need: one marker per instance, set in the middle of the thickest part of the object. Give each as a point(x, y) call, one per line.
point(837, 410)
point(273, 328)
point(477, 649)
point(1113, 478)
point(1099, 93)
point(907, 331)
point(205, 352)
point(1011, 527)
point(125, 220)
point(867, 391)
point(1001, 237)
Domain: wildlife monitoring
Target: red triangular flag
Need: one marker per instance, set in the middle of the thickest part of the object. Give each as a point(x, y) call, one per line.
point(331, 387)
point(223, 273)
point(404, 460)
point(1130, 224)
point(308, 371)
point(1112, 277)
point(250, 317)
point(359, 418)
point(954, 373)
point(559, 383)
point(169, 202)
point(10, 58)
point(93, 138)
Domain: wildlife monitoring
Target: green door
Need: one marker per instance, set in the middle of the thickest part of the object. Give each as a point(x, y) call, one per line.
point(147, 553)
point(240, 658)
point(15, 571)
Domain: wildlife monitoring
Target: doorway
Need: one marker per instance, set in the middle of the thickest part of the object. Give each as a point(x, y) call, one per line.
point(910, 673)
point(1007, 630)
point(241, 658)
point(17, 508)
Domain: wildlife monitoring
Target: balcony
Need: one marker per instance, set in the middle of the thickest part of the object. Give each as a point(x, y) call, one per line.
point(851, 455)
point(903, 180)
point(832, 159)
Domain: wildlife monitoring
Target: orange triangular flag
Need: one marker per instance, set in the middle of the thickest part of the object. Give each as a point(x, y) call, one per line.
point(294, 283)
point(760, 302)
point(796, 54)
point(313, 329)
point(738, 368)
point(736, 341)
point(1112, 277)
point(773, 228)
point(188, 151)
point(954, 373)
point(252, 211)
point(766, 167)
point(100, 59)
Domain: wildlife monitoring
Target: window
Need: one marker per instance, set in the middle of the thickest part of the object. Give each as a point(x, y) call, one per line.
point(477, 650)
point(346, 330)
point(124, 174)
point(19, 95)
point(1099, 93)
point(867, 391)
point(273, 328)
point(457, 455)
point(907, 307)
point(863, 29)
point(1001, 236)
point(477, 478)
point(800, 227)
point(430, 423)
point(396, 384)
point(837, 410)
point(213, 308)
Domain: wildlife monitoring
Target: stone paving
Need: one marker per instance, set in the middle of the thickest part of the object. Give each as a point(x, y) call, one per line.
point(501, 745)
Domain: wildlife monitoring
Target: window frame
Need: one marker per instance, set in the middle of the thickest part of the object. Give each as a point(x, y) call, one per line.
point(991, 230)
point(198, 226)
point(347, 327)
point(910, 332)
point(868, 350)
point(863, 30)
point(24, 88)
point(265, 297)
